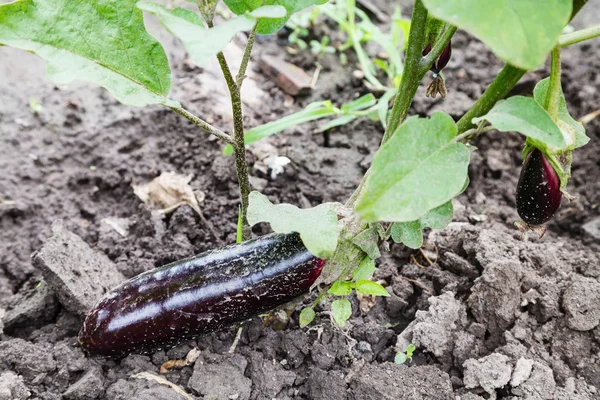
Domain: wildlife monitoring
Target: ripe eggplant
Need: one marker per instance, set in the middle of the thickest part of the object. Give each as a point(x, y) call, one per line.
point(538, 190)
point(199, 295)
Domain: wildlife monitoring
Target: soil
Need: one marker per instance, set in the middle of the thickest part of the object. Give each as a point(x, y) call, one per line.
point(491, 316)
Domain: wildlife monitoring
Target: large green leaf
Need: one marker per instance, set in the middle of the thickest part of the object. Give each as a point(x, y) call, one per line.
point(273, 25)
point(99, 41)
point(203, 44)
point(573, 130)
point(526, 116)
point(521, 32)
point(318, 227)
point(411, 233)
point(417, 170)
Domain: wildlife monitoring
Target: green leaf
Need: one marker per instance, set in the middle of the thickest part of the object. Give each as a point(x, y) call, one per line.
point(307, 315)
point(521, 32)
point(366, 101)
point(341, 288)
point(528, 117)
point(318, 226)
point(400, 358)
point(372, 288)
point(573, 130)
point(271, 26)
point(368, 241)
point(417, 170)
point(340, 121)
point(410, 350)
point(383, 106)
point(341, 310)
point(203, 44)
point(100, 41)
point(411, 233)
point(365, 270)
point(312, 112)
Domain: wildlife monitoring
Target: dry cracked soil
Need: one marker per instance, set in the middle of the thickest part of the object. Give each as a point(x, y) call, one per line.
point(491, 316)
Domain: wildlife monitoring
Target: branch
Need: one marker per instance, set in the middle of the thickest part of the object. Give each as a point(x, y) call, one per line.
point(203, 124)
point(239, 79)
point(579, 36)
point(554, 88)
point(411, 76)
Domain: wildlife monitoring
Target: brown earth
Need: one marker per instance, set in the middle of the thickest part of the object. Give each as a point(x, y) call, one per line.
point(493, 317)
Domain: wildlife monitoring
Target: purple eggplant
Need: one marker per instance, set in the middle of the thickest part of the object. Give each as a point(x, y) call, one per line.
point(538, 190)
point(442, 60)
point(199, 295)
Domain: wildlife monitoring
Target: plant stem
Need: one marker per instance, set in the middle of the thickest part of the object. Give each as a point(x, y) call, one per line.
point(508, 77)
point(579, 36)
point(239, 79)
point(239, 150)
point(411, 76)
point(554, 89)
point(498, 89)
point(203, 124)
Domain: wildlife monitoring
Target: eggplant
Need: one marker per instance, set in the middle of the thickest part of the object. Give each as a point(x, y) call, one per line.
point(442, 60)
point(199, 295)
point(538, 190)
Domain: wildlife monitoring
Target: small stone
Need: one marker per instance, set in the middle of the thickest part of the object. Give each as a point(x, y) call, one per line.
point(522, 371)
point(89, 386)
point(77, 274)
point(581, 302)
point(291, 79)
point(592, 228)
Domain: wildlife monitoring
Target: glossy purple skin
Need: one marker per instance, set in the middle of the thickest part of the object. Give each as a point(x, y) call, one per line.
point(199, 295)
point(538, 190)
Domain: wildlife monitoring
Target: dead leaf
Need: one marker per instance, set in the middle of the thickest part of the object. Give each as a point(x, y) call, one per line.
point(151, 377)
point(366, 302)
point(167, 192)
point(190, 359)
point(120, 225)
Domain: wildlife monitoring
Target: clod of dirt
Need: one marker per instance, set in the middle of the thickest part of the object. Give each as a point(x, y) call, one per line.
point(269, 378)
point(496, 295)
point(388, 381)
point(12, 387)
point(326, 385)
point(77, 274)
point(490, 373)
point(221, 377)
point(26, 358)
point(540, 383)
point(89, 386)
point(581, 302)
point(522, 371)
point(592, 228)
point(141, 389)
point(30, 307)
point(434, 330)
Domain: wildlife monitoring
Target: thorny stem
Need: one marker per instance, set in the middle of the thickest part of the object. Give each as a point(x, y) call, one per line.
point(239, 79)
point(498, 89)
point(554, 90)
point(203, 124)
point(508, 77)
point(239, 150)
point(579, 36)
point(411, 77)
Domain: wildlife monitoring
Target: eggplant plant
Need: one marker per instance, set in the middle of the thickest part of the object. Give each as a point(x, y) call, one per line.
point(421, 165)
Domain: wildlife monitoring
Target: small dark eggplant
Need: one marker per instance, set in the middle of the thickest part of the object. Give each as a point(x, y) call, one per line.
point(538, 190)
point(442, 60)
point(200, 295)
